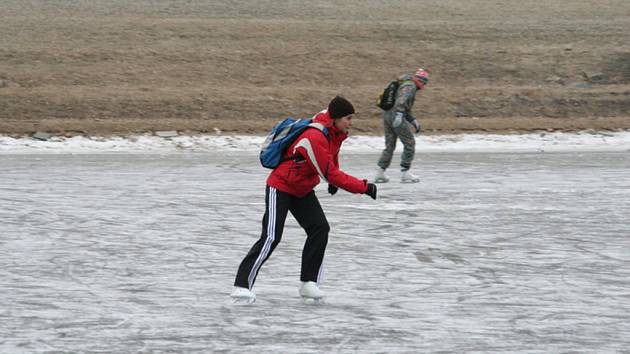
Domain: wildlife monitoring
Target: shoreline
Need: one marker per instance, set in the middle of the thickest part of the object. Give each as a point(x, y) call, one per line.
point(211, 143)
point(371, 126)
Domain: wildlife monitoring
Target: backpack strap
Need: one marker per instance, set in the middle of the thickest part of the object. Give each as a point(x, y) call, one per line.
point(316, 125)
point(320, 126)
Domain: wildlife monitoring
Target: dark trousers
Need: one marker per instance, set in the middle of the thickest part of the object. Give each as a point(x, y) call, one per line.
point(309, 214)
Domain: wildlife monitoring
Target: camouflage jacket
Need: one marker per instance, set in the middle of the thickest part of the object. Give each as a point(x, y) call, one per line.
point(405, 97)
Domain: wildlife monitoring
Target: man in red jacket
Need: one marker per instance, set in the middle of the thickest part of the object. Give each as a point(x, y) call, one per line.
point(309, 158)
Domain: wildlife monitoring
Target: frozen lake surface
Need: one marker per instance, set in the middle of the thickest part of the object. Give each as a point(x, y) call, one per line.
point(491, 252)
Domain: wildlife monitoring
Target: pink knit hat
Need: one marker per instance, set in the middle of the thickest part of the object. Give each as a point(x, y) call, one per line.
point(422, 75)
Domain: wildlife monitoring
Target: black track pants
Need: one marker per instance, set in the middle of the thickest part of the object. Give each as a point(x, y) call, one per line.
point(309, 214)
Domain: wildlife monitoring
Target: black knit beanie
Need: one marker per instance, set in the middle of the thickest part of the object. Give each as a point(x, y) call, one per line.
point(340, 107)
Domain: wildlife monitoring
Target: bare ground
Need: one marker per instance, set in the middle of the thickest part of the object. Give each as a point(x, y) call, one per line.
point(77, 67)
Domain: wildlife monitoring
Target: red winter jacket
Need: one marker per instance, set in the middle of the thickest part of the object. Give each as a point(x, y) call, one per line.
point(320, 158)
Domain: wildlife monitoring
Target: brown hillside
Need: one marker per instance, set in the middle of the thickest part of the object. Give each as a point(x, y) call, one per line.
point(121, 67)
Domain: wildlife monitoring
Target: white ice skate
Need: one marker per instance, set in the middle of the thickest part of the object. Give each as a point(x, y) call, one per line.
point(408, 177)
point(242, 296)
point(310, 293)
point(380, 176)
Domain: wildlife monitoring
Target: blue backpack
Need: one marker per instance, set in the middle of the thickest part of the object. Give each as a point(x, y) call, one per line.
point(281, 137)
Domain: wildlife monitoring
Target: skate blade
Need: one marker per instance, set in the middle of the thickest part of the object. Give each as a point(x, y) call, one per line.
point(409, 181)
point(313, 301)
point(381, 180)
point(243, 301)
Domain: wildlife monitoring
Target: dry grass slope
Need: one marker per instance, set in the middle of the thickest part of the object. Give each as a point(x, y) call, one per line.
point(121, 67)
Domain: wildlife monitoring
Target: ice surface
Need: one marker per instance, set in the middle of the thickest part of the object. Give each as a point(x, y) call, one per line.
point(136, 252)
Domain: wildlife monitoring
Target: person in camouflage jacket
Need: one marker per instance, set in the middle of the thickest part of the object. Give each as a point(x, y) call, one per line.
point(398, 122)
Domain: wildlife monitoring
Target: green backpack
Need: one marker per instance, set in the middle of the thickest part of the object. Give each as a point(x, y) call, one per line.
point(387, 98)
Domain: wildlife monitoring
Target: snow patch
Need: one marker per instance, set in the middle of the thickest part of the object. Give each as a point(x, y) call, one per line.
point(539, 142)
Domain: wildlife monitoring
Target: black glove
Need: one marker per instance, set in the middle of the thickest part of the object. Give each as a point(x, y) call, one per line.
point(371, 190)
point(416, 125)
point(332, 189)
